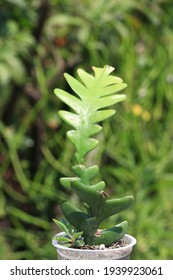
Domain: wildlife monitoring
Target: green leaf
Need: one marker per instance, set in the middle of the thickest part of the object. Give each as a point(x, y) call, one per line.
point(94, 130)
point(62, 226)
point(66, 181)
point(108, 101)
point(75, 217)
point(74, 137)
point(109, 81)
point(111, 89)
point(90, 145)
point(78, 88)
point(81, 171)
point(62, 239)
point(98, 187)
point(69, 99)
point(114, 206)
point(91, 171)
point(111, 235)
point(101, 73)
point(70, 118)
point(86, 78)
point(77, 235)
point(89, 195)
point(103, 114)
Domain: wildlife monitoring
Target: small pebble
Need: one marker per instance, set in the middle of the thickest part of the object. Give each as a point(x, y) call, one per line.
point(102, 247)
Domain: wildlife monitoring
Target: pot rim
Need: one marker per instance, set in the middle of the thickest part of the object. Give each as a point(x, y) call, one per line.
point(130, 238)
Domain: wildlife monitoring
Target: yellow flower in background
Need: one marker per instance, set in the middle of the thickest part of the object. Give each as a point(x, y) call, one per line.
point(139, 112)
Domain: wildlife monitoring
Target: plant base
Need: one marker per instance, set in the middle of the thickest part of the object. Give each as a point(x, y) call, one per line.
point(122, 253)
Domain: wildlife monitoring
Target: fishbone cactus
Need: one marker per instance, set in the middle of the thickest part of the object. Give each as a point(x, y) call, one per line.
point(92, 95)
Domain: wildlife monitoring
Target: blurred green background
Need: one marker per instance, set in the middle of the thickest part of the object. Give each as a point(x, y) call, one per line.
point(39, 41)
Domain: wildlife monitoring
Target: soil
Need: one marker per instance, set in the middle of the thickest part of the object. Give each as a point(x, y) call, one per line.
point(117, 244)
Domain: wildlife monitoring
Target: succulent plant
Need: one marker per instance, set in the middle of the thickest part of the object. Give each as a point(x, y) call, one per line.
point(89, 106)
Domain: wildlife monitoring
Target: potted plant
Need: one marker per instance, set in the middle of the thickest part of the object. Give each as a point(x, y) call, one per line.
point(81, 237)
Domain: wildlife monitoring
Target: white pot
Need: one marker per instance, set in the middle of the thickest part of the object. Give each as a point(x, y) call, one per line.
point(122, 253)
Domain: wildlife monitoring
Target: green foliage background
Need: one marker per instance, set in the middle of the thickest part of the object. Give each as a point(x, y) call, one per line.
point(39, 41)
